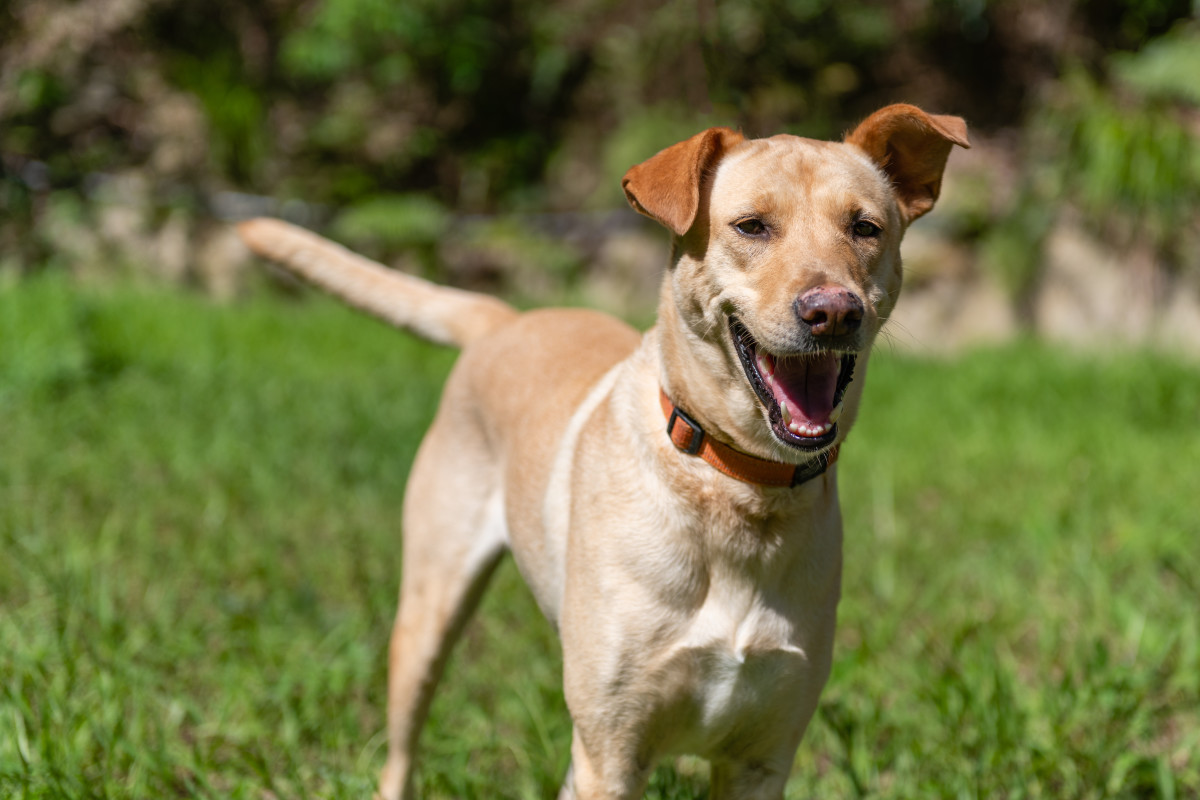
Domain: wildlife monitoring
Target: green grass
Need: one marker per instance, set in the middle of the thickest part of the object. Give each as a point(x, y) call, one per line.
point(198, 566)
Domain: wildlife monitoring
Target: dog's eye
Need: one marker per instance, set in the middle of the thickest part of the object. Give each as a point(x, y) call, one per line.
point(866, 229)
point(751, 227)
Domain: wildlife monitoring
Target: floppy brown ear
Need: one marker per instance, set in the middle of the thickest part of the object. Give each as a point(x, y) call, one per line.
point(911, 147)
point(666, 187)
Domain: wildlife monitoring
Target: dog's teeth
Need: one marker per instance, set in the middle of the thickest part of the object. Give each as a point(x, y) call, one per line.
point(787, 417)
point(803, 429)
point(836, 414)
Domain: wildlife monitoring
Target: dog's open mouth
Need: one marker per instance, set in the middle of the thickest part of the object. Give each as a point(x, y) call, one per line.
point(802, 394)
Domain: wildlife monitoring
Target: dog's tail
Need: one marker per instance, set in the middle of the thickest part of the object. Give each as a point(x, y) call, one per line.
point(438, 313)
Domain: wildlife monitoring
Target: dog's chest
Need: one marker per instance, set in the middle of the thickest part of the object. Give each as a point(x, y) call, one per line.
point(739, 664)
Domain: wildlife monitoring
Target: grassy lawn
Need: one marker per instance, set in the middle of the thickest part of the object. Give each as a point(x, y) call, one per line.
point(198, 567)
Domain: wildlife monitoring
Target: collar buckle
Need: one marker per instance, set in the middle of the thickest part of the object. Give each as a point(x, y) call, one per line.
point(733, 462)
point(697, 439)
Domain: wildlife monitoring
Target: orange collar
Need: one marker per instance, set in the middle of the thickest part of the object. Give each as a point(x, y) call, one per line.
point(691, 439)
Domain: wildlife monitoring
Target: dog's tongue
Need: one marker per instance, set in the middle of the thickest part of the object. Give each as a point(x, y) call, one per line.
point(804, 388)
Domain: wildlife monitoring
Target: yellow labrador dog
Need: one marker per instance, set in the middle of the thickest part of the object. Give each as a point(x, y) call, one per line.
point(670, 497)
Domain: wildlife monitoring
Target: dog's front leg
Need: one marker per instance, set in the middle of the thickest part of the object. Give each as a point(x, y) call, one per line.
point(610, 772)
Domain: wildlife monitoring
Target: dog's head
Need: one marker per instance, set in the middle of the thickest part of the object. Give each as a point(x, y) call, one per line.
point(787, 262)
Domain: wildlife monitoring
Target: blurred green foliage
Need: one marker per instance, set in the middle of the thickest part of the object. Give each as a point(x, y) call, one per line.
point(1137, 163)
point(488, 107)
point(235, 111)
point(401, 221)
point(1120, 145)
point(1166, 68)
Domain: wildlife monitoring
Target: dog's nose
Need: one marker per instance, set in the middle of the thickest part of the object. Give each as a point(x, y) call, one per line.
point(830, 311)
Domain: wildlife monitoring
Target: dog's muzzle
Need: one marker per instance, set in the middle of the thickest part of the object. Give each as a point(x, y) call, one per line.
point(803, 394)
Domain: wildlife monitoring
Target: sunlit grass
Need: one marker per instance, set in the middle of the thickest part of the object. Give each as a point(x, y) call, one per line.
point(199, 556)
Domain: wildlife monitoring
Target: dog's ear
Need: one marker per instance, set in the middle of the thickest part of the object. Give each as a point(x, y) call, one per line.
point(911, 147)
point(666, 187)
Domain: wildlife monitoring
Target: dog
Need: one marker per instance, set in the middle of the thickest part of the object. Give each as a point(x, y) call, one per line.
point(669, 497)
